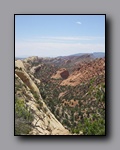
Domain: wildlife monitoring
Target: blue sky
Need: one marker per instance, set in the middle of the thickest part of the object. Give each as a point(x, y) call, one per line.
point(58, 35)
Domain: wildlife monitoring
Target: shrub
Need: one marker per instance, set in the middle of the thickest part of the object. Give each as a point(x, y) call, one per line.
point(45, 109)
point(40, 105)
point(23, 118)
point(21, 128)
point(100, 93)
point(21, 111)
point(42, 92)
point(36, 96)
point(90, 127)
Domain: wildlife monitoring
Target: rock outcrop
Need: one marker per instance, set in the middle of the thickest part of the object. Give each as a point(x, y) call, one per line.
point(27, 80)
point(33, 59)
point(36, 81)
point(44, 122)
point(19, 64)
point(36, 68)
point(86, 71)
point(61, 74)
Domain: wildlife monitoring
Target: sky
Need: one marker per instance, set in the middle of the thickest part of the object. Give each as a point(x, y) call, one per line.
point(58, 35)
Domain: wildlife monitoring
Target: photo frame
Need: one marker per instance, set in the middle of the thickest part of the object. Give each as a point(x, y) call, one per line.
point(59, 80)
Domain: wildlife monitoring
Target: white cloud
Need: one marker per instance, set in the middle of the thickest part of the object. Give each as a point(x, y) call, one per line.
point(57, 46)
point(55, 49)
point(63, 39)
point(78, 22)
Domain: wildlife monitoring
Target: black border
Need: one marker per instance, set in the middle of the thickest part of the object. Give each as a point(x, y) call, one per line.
point(66, 136)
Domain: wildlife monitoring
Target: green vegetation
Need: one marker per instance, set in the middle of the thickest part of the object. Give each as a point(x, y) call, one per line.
point(36, 96)
point(21, 111)
point(79, 109)
point(23, 118)
point(100, 93)
point(21, 128)
point(90, 99)
point(90, 127)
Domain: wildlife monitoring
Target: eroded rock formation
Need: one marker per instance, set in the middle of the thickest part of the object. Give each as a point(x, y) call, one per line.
point(61, 73)
point(44, 122)
point(86, 71)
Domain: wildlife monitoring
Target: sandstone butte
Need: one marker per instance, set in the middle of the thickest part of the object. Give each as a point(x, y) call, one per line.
point(86, 71)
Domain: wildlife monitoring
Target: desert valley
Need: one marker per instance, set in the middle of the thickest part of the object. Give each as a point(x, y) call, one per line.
point(62, 95)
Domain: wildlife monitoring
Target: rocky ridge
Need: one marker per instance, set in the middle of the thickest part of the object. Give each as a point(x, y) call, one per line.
point(73, 89)
point(85, 71)
point(43, 122)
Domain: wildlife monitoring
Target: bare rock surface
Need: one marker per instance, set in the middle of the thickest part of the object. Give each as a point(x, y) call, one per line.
point(19, 64)
point(61, 73)
point(44, 122)
point(85, 71)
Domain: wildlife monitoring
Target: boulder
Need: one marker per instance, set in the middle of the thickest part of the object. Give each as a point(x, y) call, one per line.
point(36, 68)
point(19, 64)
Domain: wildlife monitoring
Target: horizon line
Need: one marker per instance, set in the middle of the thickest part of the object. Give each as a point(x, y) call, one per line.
point(26, 56)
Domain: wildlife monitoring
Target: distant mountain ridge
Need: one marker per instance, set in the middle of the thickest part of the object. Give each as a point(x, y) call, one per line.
point(95, 54)
point(99, 54)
